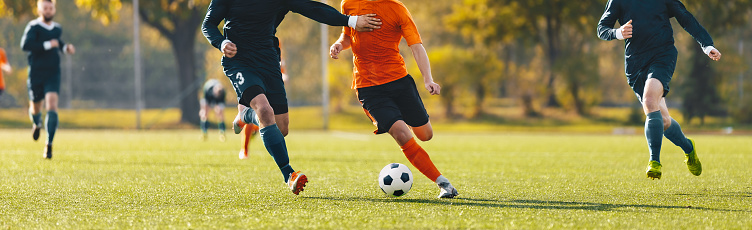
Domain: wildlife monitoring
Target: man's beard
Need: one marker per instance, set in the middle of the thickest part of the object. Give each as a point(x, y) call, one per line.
point(48, 18)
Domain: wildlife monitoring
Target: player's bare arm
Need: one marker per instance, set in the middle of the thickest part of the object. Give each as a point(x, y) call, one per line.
point(341, 44)
point(421, 57)
point(6, 67)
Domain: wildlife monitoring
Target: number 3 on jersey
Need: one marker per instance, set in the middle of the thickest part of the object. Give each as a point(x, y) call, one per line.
point(239, 80)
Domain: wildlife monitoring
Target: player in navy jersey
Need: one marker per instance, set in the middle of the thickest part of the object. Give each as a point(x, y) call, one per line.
point(650, 62)
point(42, 41)
point(251, 62)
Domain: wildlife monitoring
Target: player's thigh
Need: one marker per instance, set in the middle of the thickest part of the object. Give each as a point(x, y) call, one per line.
point(423, 132)
point(400, 132)
point(379, 107)
point(409, 103)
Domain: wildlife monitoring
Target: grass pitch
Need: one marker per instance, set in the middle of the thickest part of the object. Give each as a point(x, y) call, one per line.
point(170, 179)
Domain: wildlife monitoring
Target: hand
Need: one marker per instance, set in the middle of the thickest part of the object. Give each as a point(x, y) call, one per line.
point(626, 30)
point(229, 49)
point(367, 22)
point(334, 50)
point(7, 68)
point(54, 43)
point(433, 88)
point(71, 49)
point(715, 55)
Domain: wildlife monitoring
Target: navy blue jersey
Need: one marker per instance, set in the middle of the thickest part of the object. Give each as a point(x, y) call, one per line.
point(40, 55)
point(251, 24)
point(652, 34)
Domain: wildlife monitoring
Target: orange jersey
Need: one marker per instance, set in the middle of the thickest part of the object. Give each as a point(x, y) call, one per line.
point(3, 61)
point(376, 54)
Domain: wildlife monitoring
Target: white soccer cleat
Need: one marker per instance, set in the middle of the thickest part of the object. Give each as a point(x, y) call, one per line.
point(446, 190)
point(242, 155)
point(238, 124)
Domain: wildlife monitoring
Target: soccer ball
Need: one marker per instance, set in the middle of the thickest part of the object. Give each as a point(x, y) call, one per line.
point(395, 179)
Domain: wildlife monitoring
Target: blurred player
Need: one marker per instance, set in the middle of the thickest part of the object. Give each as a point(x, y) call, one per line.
point(251, 62)
point(650, 62)
point(387, 92)
point(214, 97)
point(5, 67)
point(41, 40)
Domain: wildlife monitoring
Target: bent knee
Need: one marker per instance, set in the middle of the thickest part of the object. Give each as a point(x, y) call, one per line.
point(425, 136)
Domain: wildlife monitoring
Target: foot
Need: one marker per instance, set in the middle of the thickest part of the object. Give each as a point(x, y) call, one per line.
point(238, 124)
point(296, 182)
point(242, 155)
point(48, 152)
point(222, 137)
point(35, 132)
point(204, 136)
point(693, 163)
point(446, 190)
point(654, 170)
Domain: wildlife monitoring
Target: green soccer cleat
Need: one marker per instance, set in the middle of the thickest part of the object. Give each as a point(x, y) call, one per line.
point(693, 163)
point(654, 170)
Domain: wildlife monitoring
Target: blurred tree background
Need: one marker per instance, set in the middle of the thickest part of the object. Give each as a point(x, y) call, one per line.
point(538, 58)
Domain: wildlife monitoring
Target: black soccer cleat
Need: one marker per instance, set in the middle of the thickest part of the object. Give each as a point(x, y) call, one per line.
point(35, 132)
point(48, 152)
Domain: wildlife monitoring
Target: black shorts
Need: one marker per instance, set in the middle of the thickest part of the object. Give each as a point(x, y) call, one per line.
point(41, 82)
point(244, 73)
point(388, 103)
point(660, 67)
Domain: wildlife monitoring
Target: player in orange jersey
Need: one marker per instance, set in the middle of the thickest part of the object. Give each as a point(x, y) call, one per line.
point(387, 92)
point(5, 66)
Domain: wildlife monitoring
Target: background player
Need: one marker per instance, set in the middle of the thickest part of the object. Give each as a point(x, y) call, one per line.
point(387, 92)
point(214, 97)
point(650, 62)
point(251, 61)
point(41, 40)
point(5, 67)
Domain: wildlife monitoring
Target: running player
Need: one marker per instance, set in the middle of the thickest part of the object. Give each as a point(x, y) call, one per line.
point(387, 92)
point(251, 62)
point(214, 96)
point(5, 66)
point(41, 40)
point(650, 57)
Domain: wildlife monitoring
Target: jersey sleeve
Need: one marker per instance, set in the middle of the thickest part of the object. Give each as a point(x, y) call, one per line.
point(60, 41)
point(606, 29)
point(317, 11)
point(218, 10)
point(407, 26)
point(346, 30)
point(3, 57)
point(689, 23)
point(29, 41)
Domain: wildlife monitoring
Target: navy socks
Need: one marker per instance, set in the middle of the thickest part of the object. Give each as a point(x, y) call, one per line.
point(36, 118)
point(204, 126)
point(51, 126)
point(274, 142)
point(676, 136)
point(222, 126)
point(654, 134)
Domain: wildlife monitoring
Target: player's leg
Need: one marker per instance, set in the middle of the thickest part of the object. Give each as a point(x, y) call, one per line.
point(219, 110)
point(423, 132)
point(249, 130)
point(651, 101)
point(202, 114)
point(36, 98)
point(674, 134)
point(51, 121)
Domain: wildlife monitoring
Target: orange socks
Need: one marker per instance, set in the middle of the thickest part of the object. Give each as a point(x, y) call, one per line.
point(420, 160)
point(248, 131)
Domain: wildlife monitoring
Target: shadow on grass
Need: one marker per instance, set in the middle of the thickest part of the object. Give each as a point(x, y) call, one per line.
point(525, 204)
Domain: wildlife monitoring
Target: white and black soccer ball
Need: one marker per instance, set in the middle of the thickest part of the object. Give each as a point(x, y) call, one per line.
point(395, 179)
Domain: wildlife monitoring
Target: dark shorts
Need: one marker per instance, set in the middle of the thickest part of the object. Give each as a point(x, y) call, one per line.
point(41, 82)
point(660, 67)
point(388, 103)
point(267, 79)
point(211, 100)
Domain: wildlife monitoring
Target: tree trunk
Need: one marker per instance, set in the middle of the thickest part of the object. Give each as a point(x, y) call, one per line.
point(480, 95)
point(552, 50)
point(185, 57)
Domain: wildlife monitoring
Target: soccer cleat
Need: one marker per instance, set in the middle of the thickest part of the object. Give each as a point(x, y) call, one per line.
point(296, 182)
point(654, 170)
point(222, 137)
point(446, 190)
point(48, 152)
point(242, 155)
point(693, 163)
point(204, 136)
point(35, 132)
point(238, 124)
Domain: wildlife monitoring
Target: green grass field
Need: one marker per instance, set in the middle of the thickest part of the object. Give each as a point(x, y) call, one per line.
point(169, 179)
